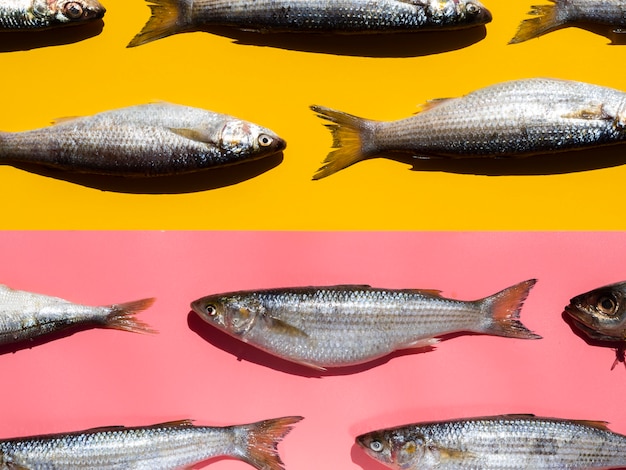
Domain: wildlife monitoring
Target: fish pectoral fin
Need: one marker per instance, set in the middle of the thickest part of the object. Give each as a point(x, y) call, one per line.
point(63, 120)
point(193, 134)
point(430, 104)
point(454, 454)
point(591, 112)
point(422, 343)
point(284, 328)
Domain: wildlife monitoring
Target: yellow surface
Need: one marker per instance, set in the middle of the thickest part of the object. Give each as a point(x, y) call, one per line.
point(274, 87)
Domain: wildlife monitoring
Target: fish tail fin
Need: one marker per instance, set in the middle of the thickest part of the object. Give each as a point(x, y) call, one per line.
point(122, 316)
point(547, 18)
point(261, 441)
point(350, 138)
point(167, 18)
point(502, 312)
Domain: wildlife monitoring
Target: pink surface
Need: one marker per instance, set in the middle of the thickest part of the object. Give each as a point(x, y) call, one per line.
point(96, 378)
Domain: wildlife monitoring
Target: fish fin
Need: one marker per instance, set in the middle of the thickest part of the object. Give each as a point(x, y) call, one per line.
point(65, 119)
point(348, 138)
point(546, 20)
point(446, 453)
point(602, 425)
point(502, 312)
point(430, 104)
point(192, 134)
point(17, 466)
point(313, 366)
point(282, 327)
point(261, 441)
point(592, 112)
point(428, 292)
point(122, 316)
point(423, 343)
point(165, 20)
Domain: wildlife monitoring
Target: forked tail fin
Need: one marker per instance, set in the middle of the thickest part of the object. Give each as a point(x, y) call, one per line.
point(502, 312)
point(261, 442)
point(350, 138)
point(122, 316)
point(167, 18)
point(547, 19)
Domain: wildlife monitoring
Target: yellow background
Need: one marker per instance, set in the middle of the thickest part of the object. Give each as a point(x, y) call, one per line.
point(274, 86)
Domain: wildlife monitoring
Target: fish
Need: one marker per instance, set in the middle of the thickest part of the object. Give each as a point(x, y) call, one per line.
point(155, 139)
point(497, 443)
point(337, 326)
point(601, 315)
point(322, 16)
point(560, 13)
point(21, 15)
point(511, 119)
point(25, 315)
point(166, 446)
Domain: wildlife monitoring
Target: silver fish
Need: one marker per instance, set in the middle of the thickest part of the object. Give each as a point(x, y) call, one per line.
point(611, 13)
point(166, 446)
point(334, 16)
point(498, 443)
point(510, 119)
point(17, 15)
point(338, 326)
point(26, 316)
point(146, 140)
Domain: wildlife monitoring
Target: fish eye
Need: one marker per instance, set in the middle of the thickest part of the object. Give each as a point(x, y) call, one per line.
point(472, 8)
point(211, 310)
point(607, 304)
point(73, 10)
point(265, 140)
point(376, 446)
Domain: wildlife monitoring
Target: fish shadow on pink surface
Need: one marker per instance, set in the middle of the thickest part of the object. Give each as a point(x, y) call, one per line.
point(360, 458)
point(202, 180)
point(571, 161)
point(617, 346)
point(26, 40)
point(419, 43)
point(249, 353)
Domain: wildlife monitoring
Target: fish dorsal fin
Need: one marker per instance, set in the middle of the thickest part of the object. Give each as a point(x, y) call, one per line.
point(65, 119)
point(430, 104)
point(284, 328)
point(181, 423)
point(193, 134)
point(417, 3)
point(602, 425)
point(428, 292)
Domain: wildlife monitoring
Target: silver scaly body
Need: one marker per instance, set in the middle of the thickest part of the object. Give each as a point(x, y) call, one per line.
point(145, 140)
point(42, 14)
point(167, 446)
point(509, 442)
point(344, 325)
point(331, 16)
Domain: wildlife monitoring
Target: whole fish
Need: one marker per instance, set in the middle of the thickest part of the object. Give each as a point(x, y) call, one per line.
point(146, 140)
point(514, 119)
point(498, 443)
point(327, 16)
point(166, 446)
point(611, 13)
point(26, 316)
point(345, 325)
point(17, 15)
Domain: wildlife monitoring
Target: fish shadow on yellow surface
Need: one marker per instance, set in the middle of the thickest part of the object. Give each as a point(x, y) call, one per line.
point(202, 180)
point(573, 161)
point(26, 40)
point(601, 30)
point(415, 44)
point(617, 346)
point(249, 353)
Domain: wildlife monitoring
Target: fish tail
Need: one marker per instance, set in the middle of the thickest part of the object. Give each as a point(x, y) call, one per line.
point(261, 442)
point(350, 138)
point(167, 18)
point(502, 312)
point(122, 316)
point(548, 17)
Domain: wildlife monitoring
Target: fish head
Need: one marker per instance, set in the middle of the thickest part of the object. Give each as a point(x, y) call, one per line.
point(244, 140)
point(399, 449)
point(601, 313)
point(459, 13)
point(77, 11)
point(234, 314)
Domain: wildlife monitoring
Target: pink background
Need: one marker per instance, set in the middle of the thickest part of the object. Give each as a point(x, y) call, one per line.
point(97, 378)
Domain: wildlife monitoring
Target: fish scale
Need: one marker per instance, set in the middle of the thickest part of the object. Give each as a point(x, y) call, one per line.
point(344, 325)
point(497, 443)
